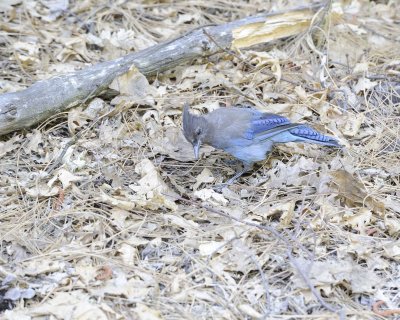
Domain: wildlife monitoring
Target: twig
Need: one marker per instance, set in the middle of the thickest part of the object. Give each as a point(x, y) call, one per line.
point(373, 31)
point(62, 154)
point(384, 313)
point(325, 9)
point(265, 283)
point(225, 244)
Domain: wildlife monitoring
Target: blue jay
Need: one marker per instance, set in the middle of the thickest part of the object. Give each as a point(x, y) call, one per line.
point(247, 134)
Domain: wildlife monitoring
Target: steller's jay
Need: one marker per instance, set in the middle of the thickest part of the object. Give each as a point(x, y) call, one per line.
point(247, 134)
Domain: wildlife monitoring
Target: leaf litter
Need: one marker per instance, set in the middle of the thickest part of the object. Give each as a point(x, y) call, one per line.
point(129, 225)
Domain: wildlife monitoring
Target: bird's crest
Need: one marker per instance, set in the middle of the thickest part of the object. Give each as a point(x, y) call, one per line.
point(187, 121)
point(194, 127)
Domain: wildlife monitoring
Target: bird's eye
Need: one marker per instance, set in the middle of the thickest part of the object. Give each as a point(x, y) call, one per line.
point(198, 131)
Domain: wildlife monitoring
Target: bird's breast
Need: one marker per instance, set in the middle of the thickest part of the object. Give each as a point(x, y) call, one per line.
point(250, 153)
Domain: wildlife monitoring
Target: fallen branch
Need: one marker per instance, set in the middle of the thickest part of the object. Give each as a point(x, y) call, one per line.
point(19, 110)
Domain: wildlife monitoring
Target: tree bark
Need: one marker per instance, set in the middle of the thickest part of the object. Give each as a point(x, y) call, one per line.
point(19, 110)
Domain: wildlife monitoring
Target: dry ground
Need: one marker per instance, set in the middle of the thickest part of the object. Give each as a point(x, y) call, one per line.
point(128, 225)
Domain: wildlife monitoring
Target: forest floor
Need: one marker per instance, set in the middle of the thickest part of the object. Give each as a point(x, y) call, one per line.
point(129, 226)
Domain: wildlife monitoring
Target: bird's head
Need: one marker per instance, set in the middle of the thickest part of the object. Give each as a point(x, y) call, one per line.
point(194, 129)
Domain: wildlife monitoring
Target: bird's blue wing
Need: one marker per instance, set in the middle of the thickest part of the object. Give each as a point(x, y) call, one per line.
point(262, 124)
point(267, 121)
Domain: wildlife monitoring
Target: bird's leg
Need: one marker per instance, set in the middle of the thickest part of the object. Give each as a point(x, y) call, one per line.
point(246, 167)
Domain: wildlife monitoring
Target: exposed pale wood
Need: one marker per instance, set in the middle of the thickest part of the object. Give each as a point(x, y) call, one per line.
point(45, 98)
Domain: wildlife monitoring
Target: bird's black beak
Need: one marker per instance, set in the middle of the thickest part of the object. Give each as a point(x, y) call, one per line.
point(196, 149)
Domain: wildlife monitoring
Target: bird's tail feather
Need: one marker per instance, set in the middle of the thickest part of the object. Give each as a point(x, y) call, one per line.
point(296, 132)
point(307, 134)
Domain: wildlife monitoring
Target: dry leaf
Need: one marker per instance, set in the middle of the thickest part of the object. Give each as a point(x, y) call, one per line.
point(9, 145)
point(76, 119)
point(119, 202)
point(359, 219)
point(65, 177)
point(250, 311)
point(284, 211)
point(75, 304)
point(135, 86)
point(392, 250)
point(211, 247)
point(6, 5)
point(128, 254)
point(36, 138)
point(350, 124)
point(42, 190)
point(180, 221)
point(333, 272)
point(392, 224)
point(119, 285)
point(205, 176)
point(42, 266)
point(152, 191)
point(354, 191)
point(211, 195)
point(200, 75)
point(144, 312)
point(364, 84)
point(266, 58)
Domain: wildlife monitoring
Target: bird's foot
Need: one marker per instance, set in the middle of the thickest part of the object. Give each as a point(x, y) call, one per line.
point(219, 187)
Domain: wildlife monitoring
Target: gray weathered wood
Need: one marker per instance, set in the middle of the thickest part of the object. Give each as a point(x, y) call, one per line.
point(25, 108)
